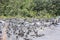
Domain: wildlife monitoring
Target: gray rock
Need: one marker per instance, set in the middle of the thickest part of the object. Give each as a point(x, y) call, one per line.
point(18, 29)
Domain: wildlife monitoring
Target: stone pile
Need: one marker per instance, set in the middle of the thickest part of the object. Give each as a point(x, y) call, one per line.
point(26, 29)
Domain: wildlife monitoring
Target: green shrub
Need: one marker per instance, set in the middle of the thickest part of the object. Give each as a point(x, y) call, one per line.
point(30, 8)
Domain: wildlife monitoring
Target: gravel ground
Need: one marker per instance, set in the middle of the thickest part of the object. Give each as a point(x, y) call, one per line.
point(31, 29)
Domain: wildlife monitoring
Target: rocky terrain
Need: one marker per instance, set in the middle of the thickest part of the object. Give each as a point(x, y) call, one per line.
point(31, 29)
